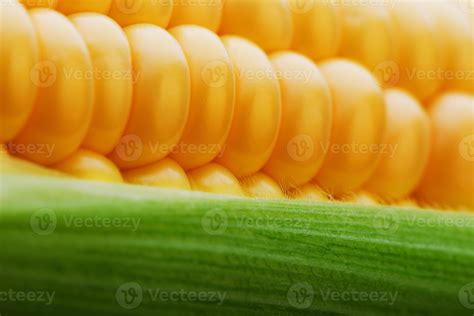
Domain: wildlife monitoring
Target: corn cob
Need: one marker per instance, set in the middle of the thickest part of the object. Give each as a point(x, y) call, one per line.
point(211, 91)
point(275, 136)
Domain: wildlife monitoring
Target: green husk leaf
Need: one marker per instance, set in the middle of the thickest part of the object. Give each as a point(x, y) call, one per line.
point(284, 257)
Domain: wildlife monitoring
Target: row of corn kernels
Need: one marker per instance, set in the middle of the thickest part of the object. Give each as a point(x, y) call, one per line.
point(257, 138)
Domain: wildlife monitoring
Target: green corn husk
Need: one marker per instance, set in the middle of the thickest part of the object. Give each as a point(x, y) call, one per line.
point(223, 256)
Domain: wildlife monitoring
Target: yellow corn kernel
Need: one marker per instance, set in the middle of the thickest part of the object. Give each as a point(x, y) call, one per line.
point(268, 23)
point(160, 98)
point(213, 178)
point(63, 108)
point(18, 55)
point(362, 198)
point(420, 52)
point(39, 3)
point(205, 13)
point(165, 173)
point(257, 109)
point(306, 121)
point(407, 203)
point(358, 127)
point(369, 37)
point(88, 165)
point(309, 192)
point(456, 32)
point(449, 177)
point(317, 28)
point(212, 96)
point(15, 166)
point(76, 6)
point(261, 186)
point(110, 54)
point(408, 137)
point(128, 12)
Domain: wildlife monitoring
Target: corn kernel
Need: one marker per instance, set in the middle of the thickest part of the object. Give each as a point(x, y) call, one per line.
point(369, 36)
point(165, 173)
point(420, 53)
point(160, 98)
point(19, 54)
point(213, 178)
point(88, 165)
point(456, 33)
point(362, 198)
point(76, 6)
point(404, 159)
point(129, 12)
point(205, 13)
point(317, 28)
point(306, 121)
point(212, 96)
point(112, 67)
point(309, 192)
point(63, 85)
point(358, 127)
point(262, 186)
point(449, 177)
point(257, 110)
